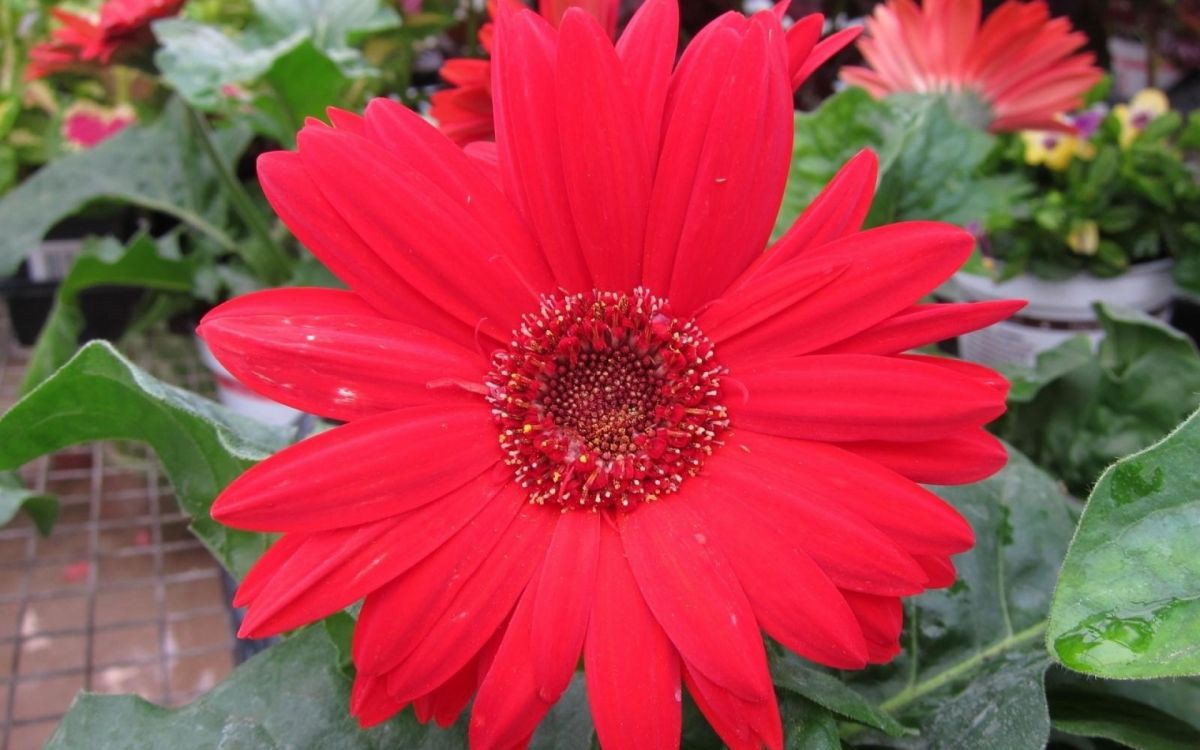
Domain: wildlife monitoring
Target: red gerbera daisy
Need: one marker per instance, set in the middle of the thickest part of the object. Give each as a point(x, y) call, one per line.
point(587, 414)
point(1022, 65)
point(122, 27)
point(464, 111)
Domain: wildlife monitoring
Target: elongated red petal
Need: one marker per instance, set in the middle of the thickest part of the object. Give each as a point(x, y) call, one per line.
point(886, 270)
point(882, 619)
point(692, 591)
point(509, 707)
point(527, 137)
point(847, 397)
point(370, 469)
point(605, 162)
point(627, 647)
point(305, 211)
point(333, 569)
point(563, 601)
point(742, 724)
point(326, 351)
point(793, 599)
point(926, 324)
point(647, 52)
point(964, 457)
point(423, 232)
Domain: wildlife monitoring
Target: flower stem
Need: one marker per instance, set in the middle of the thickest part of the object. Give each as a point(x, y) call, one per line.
point(264, 256)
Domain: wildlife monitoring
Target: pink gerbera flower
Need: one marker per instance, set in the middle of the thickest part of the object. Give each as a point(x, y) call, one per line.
point(121, 28)
point(1024, 67)
point(587, 414)
point(464, 110)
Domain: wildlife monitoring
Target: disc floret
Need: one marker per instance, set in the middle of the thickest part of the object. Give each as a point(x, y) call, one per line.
point(605, 399)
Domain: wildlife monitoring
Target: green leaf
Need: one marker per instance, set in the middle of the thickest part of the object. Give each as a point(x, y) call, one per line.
point(102, 262)
point(791, 673)
point(807, 726)
point(1076, 413)
point(971, 671)
point(99, 395)
point(290, 696)
point(1089, 713)
point(1128, 599)
point(43, 509)
point(156, 166)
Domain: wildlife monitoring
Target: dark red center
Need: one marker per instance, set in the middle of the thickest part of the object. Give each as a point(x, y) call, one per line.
point(606, 400)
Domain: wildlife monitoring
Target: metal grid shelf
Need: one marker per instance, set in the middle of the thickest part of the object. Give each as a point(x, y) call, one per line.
point(120, 597)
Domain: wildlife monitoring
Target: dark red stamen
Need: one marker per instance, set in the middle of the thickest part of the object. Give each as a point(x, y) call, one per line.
point(605, 400)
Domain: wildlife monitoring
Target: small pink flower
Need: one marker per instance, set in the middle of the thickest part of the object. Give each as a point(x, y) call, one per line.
point(87, 124)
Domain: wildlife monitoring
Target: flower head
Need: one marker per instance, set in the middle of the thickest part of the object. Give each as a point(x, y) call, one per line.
point(86, 124)
point(464, 110)
point(121, 28)
point(587, 414)
point(1020, 64)
point(1143, 108)
point(1084, 237)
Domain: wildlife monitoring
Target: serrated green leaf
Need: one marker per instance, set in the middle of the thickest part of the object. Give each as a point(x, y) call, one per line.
point(971, 671)
point(102, 262)
point(789, 672)
point(156, 166)
point(1128, 598)
point(1089, 713)
point(14, 496)
point(99, 395)
point(290, 696)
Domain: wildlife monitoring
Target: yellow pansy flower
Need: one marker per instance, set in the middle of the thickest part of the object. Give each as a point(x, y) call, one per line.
point(1146, 105)
point(1054, 149)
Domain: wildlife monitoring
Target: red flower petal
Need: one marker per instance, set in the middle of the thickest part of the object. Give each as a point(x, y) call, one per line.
point(793, 599)
point(370, 469)
point(925, 324)
point(853, 553)
point(605, 162)
point(847, 397)
point(426, 234)
point(740, 170)
point(303, 208)
point(527, 137)
point(394, 617)
point(328, 352)
point(882, 619)
point(626, 647)
point(647, 52)
point(330, 570)
point(563, 601)
point(694, 594)
point(886, 270)
point(742, 724)
point(964, 457)
point(915, 518)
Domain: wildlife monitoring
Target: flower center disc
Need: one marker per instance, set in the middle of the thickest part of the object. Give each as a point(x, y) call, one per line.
point(605, 400)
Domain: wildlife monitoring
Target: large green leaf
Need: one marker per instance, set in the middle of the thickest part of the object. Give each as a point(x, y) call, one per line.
point(1076, 413)
point(43, 509)
point(929, 159)
point(793, 674)
point(1128, 598)
point(290, 696)
point(99, 395)
point(156, 166)
point(1089, 713)
point(971, 671)
point(103, 262)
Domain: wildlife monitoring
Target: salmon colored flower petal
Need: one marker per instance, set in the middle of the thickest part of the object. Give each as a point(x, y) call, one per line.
point(1024, 67)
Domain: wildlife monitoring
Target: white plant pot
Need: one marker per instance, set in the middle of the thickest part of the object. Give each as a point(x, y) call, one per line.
point(1057, 310)
point(240, 399)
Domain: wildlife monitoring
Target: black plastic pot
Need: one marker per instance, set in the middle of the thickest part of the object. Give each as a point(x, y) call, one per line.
point(106, 310)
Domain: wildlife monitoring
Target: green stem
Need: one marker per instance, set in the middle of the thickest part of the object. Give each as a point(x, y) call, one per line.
point(947, 676)
point(264, 256)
